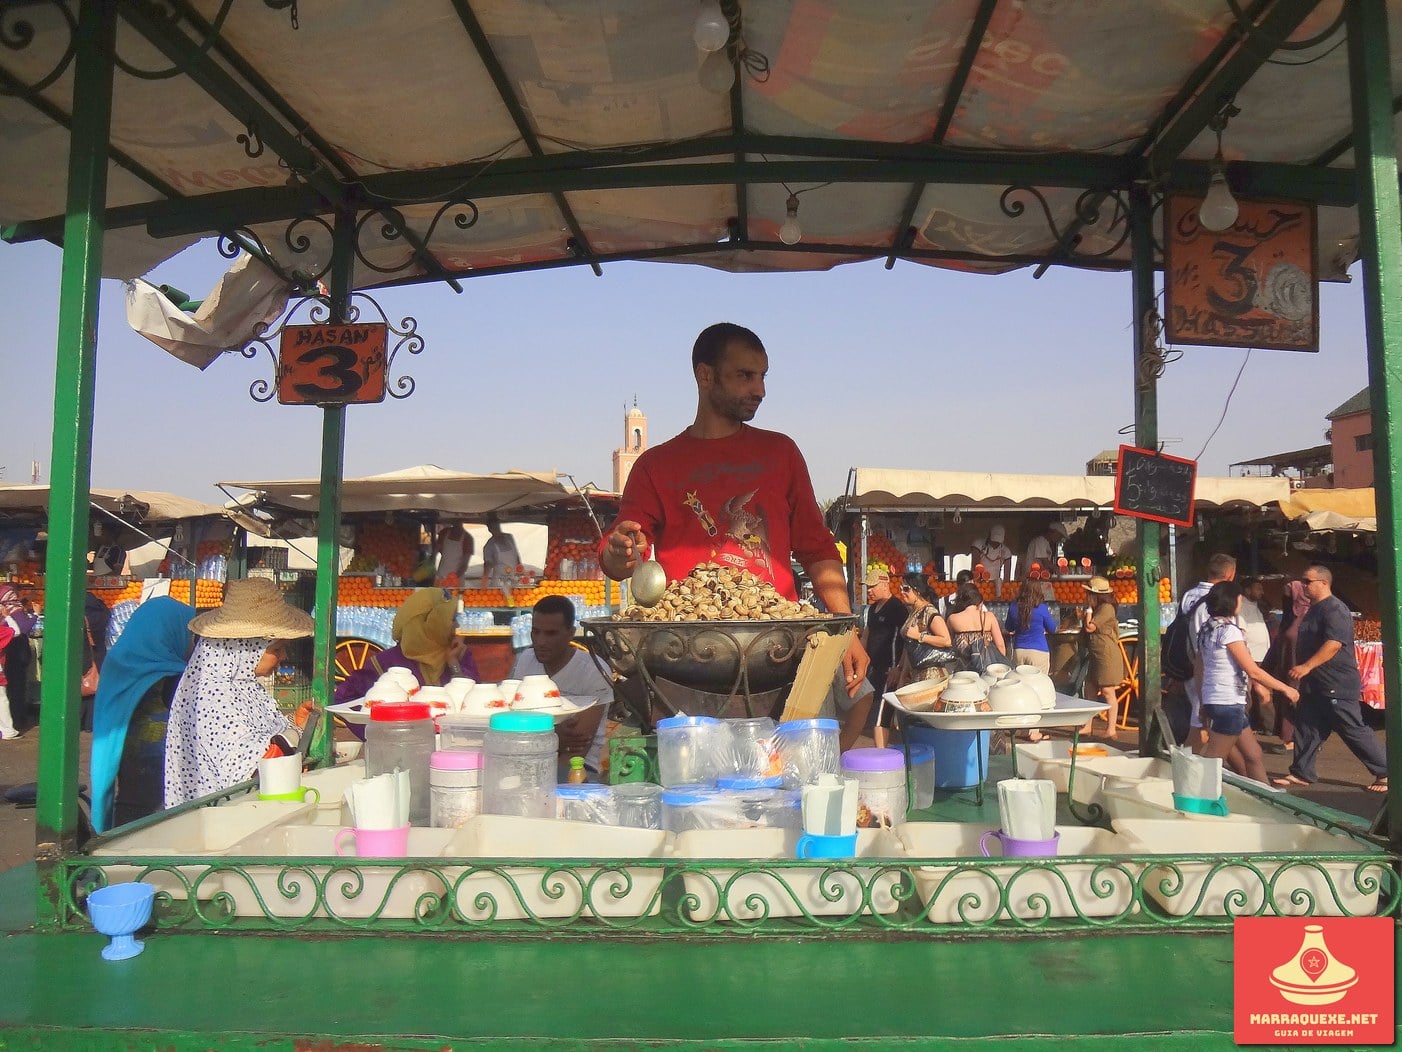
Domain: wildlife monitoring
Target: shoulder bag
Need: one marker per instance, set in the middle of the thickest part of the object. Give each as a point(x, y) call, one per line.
point(87, 686)
point(925, 655)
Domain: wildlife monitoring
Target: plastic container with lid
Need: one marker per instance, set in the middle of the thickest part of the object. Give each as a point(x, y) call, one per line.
point(808, 748)
point(690, 749)
point(518, 765)
point(881, 792)
point(458, 731)
point(752, 749)
point(399, 737)
point(639, 804)
point(922, 770)
point(687, 807)
point(454, 786)
point(764, 803)
point(586, 803)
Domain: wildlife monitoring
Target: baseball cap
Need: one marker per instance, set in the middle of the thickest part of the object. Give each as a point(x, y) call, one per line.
point(876, 577)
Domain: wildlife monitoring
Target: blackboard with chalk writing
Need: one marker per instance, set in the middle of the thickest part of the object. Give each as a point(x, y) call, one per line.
point(1150, 485)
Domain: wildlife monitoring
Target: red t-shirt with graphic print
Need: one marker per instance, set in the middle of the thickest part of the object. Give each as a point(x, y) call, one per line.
point(745, 500)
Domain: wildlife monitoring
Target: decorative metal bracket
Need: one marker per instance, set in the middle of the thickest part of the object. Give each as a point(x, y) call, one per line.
point(396, 228)
point(18, 33)
point(318, 312)
point(1088, 215)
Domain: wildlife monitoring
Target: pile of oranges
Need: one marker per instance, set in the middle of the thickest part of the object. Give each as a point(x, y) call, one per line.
point(560, 550)
point(361, 591)
point(882, 553)
point(205, 549)
point(1073, 592)
point(391, 545)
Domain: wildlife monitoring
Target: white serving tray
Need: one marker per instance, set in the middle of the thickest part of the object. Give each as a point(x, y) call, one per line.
point(1069, 712)
point(356, 712)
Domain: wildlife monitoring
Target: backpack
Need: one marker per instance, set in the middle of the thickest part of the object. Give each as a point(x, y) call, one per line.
point(1176, 650)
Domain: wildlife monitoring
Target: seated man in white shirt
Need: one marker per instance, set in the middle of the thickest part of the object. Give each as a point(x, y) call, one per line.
point(575, 672)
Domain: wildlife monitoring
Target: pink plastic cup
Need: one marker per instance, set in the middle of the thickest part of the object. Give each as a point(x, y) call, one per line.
point(1015, 848)
point(375, 843)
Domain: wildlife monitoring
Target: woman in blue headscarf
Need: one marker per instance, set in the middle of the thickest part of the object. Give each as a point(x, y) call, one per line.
point(131, 709)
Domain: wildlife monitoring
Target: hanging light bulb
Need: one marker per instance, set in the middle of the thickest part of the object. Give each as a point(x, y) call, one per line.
point(711, 31)
point(717, 72)
point(1219, 209)
point(791, 233)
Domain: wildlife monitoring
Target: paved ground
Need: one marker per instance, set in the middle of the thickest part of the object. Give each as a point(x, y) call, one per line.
point(1341, 779)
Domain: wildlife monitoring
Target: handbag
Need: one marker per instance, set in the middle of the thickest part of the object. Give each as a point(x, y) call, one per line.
point(924, 656)
point(87, 686)
point(983, 652)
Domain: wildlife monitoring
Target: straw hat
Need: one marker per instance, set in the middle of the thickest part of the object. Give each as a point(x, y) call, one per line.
point(1098, 585)
point(253, 609)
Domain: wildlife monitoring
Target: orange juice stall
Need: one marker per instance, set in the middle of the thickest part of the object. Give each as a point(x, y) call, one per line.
point(929, 521)
point(392, 528)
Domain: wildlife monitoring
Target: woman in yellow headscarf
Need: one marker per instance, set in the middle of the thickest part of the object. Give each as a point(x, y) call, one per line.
point(426, 643)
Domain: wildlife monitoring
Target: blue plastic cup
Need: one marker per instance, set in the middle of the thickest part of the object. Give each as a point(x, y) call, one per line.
point(813, 845)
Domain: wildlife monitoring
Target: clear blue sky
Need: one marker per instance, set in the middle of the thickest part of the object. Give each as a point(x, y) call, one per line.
point(911, 368)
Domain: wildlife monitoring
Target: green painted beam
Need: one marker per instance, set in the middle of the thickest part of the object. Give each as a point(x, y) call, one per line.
point(972, 42)
point(56, 815)
point(507, 94)
point(1146, 436)
point(1380, 227)
point(1272, 29)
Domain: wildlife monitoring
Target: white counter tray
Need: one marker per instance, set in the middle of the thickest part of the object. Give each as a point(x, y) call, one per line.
point(1069, 712)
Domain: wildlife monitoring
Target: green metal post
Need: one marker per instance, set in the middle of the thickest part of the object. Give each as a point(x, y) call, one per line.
point(333, 449)
point(1146, 436)
point(56, 818)
point(1380, 224)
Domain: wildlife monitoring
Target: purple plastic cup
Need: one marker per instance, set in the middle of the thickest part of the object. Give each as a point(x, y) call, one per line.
point(1015, 848)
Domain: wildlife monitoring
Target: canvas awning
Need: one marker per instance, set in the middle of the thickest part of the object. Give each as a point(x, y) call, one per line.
point(504, 135)
point(1345, 503)
point(423, 488)
point(901, 490)
point(152, 506)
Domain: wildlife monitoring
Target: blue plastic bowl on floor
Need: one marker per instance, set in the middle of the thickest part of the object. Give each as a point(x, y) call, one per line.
point(121, 910)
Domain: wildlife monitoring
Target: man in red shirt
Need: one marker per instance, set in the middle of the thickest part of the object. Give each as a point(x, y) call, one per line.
point(725, 492)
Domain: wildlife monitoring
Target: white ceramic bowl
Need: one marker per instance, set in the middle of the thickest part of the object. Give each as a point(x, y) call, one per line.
point(997, 671)
point(508, 688)
point(536, 692)
point(1040, 683)
point(483, 700)
point(965, 677)
point(457, 689)
point(962, 692)
point(403, 677)
point(383, 691)
point(348, 751)
point(1013, 695)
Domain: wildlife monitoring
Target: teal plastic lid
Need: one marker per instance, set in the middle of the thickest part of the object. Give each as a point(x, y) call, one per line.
point(521, 721)
point(803, 726)
point(688, 795)
point(675, 722)
point(1201, 805)
point(741, 782)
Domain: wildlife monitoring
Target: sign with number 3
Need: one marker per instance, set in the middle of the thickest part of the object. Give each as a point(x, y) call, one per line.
point(332, 364)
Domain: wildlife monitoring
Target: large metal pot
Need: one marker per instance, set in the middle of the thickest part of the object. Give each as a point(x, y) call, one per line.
point(728, 659)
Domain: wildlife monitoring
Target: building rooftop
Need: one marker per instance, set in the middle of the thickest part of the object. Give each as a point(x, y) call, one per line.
point(1359, 403)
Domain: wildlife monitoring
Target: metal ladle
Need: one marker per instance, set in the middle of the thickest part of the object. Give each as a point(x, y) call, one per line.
point(649, 580)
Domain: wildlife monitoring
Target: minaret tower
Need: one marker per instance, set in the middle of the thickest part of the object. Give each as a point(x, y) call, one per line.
point(634, 442)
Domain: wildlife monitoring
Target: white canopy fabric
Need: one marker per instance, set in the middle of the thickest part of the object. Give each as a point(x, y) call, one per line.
point(423, 488)
point(898, 489)
point(581, 132)
point(1333, 522)
point(1345, 503)
point(158, 507)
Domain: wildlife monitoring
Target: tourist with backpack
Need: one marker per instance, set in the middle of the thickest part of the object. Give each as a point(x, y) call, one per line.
point(1192, 611)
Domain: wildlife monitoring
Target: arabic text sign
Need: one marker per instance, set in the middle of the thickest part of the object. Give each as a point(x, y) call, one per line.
point(332, 364)
point(1253, 285)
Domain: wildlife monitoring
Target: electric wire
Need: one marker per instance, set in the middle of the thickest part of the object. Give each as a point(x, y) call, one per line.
point(1226, 405)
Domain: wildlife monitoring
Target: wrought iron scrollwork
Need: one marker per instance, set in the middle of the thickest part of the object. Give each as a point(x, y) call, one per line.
point(1088, 215)
point(171, 16)
point(18, 33)
point(250, 140)
point(394, 227)
point(262, 389)
point(300, 237)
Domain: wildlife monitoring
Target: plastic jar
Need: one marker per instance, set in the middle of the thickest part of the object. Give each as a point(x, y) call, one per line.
point(922, 771)
point(399, 737)
point(688, 807)
point(763, 803)
point(689, 749)
point(753, 751)
point(639, 804)
point(518, 765)
point(454, 786)
point(456, 731)
point(881, 792)
point(808, 748)
point(586, 803)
